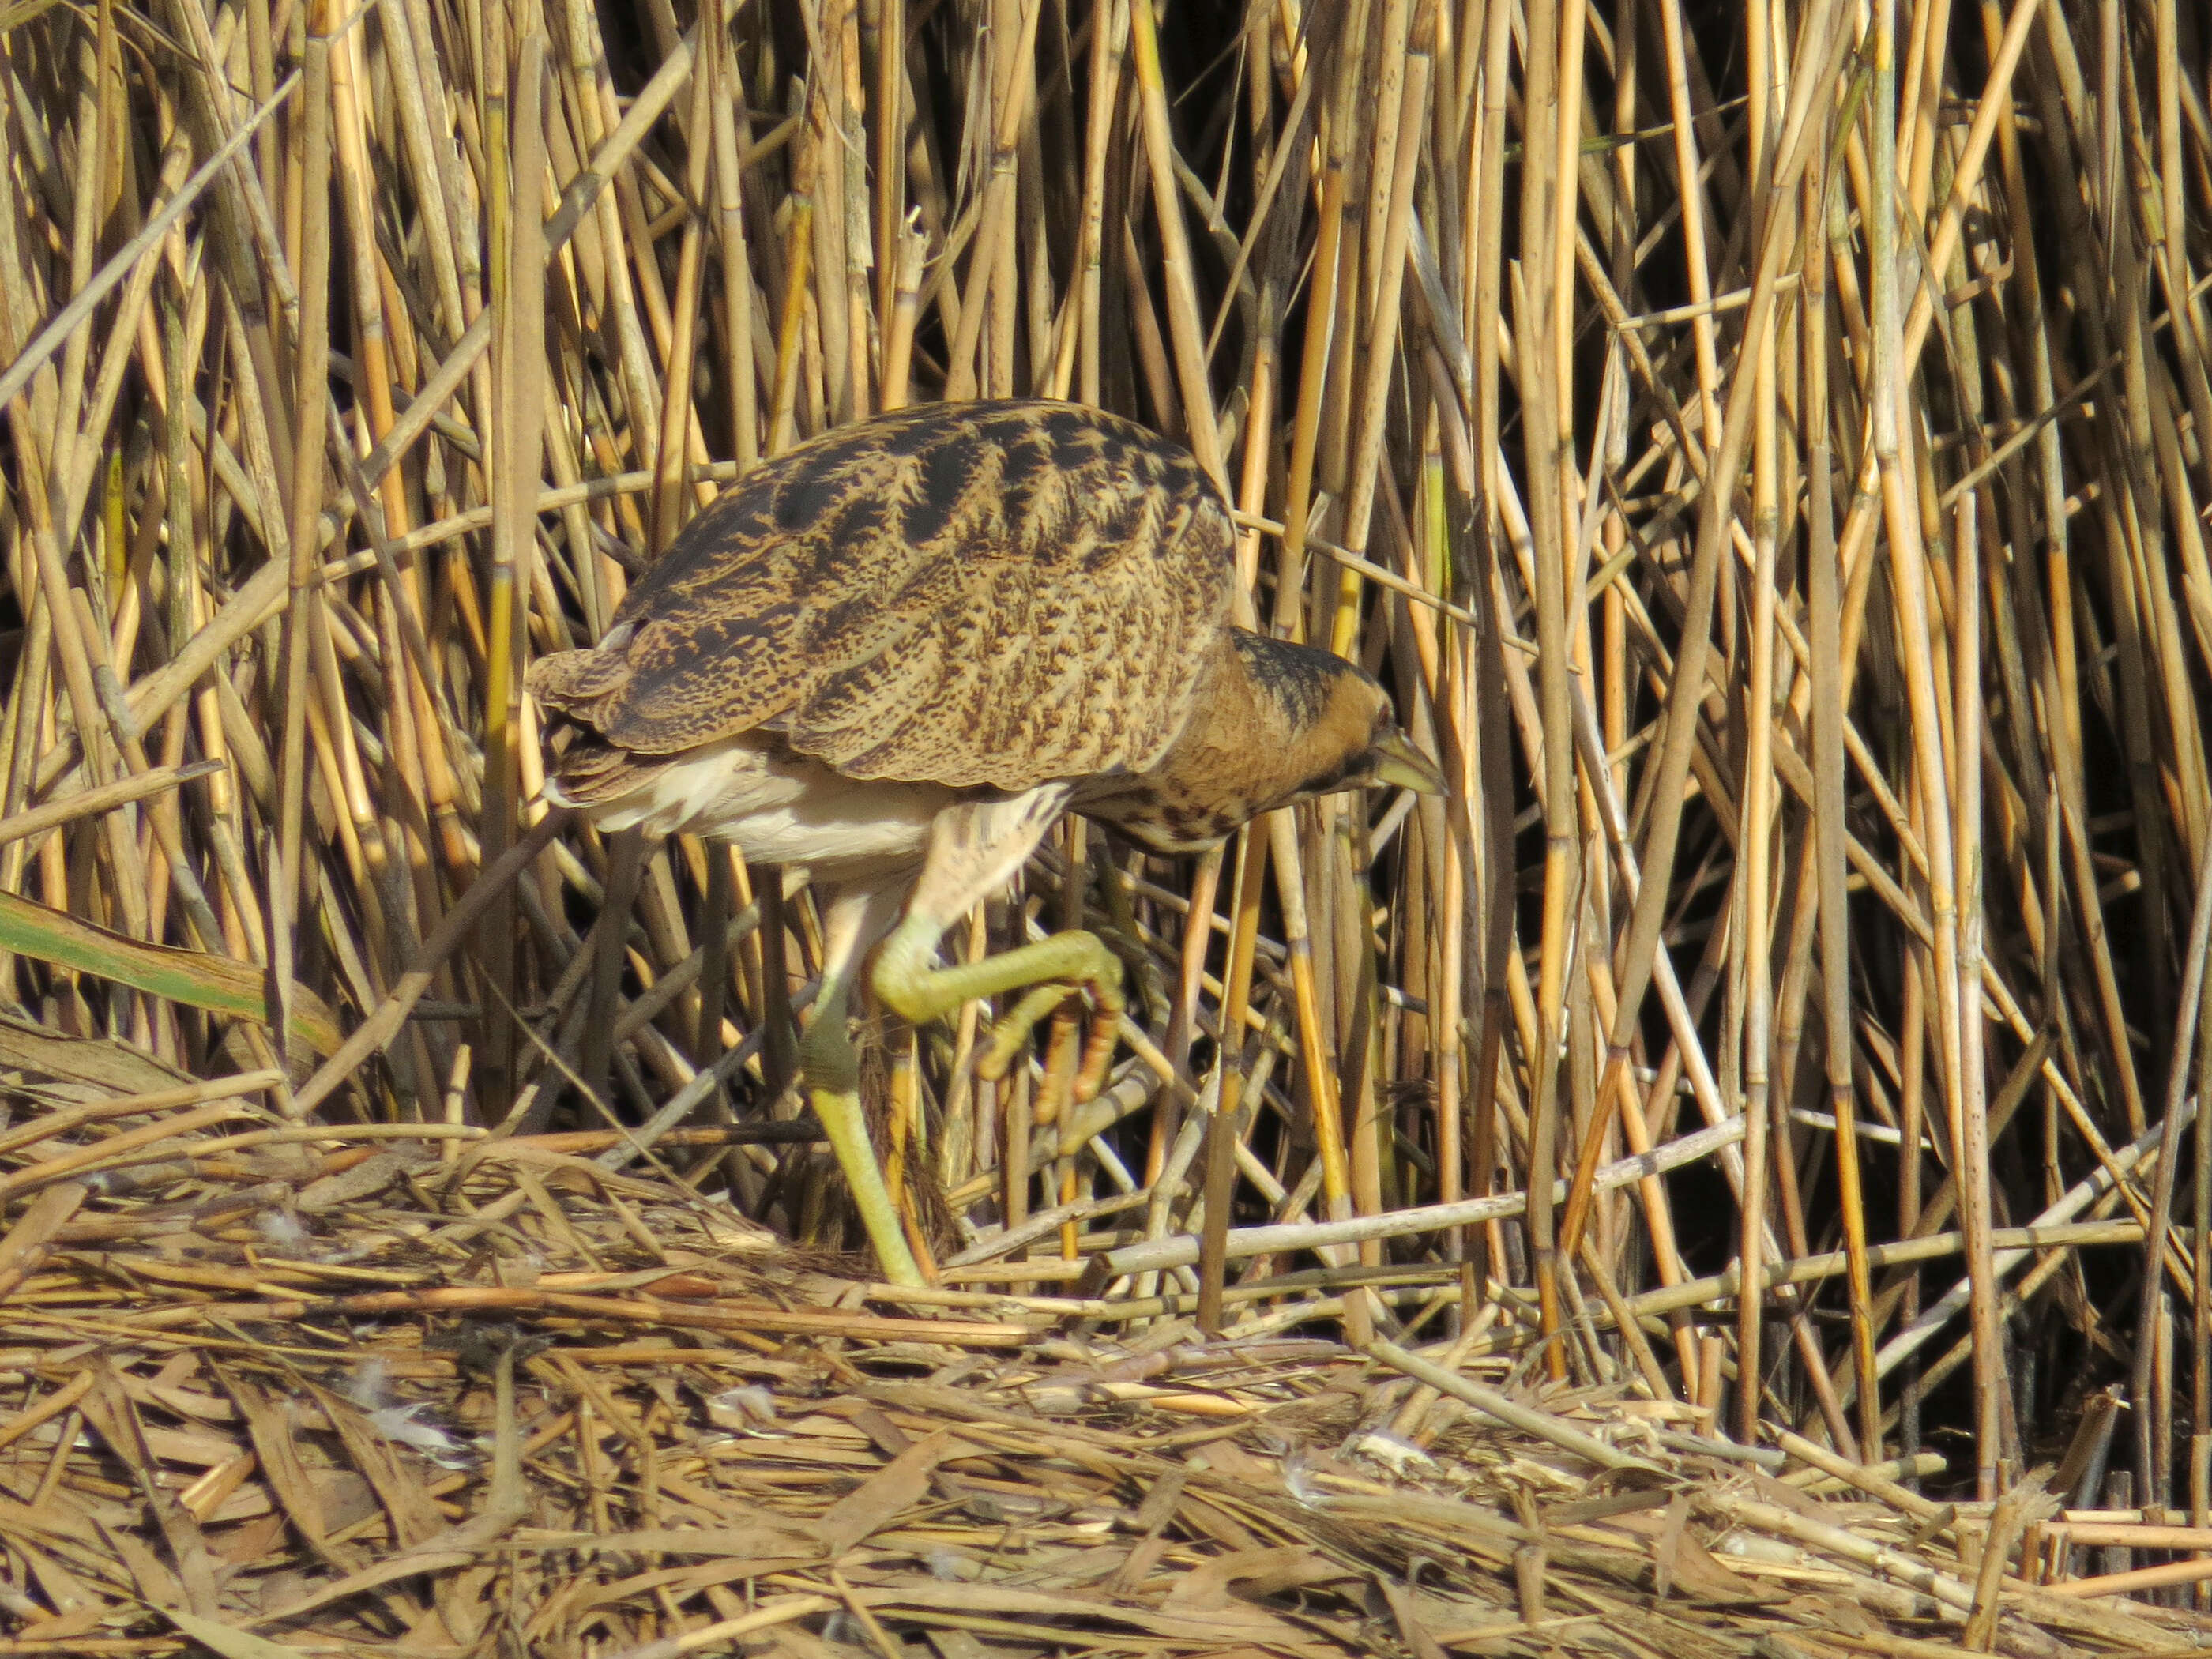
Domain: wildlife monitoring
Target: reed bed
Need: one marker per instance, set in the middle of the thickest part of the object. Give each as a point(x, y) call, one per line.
point(276, 1389)
point(1824, 898)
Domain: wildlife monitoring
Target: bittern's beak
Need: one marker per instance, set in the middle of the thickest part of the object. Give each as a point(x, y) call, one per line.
point(1396, 761)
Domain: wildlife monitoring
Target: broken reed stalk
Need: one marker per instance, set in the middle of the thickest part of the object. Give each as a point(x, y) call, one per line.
point(1863, 670)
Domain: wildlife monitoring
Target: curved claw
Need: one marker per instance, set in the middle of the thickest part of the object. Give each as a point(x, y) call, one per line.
point(1098, 1053)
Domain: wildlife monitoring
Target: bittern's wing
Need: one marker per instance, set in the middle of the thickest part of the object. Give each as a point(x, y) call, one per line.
point(992, 594)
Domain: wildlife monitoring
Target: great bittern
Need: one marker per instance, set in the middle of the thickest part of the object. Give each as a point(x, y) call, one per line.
point(897, 653)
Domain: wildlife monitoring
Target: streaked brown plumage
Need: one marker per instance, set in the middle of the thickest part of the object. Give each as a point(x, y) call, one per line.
point(896, 654)
point(938, 594)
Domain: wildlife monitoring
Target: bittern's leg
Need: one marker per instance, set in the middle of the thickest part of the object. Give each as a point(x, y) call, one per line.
point(831, 1072)
point(973, 849)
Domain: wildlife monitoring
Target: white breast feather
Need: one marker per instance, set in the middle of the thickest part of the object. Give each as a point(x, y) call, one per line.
point(777, 808)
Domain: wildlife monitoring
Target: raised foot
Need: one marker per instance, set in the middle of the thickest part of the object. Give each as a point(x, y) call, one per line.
point(1013, 1027)
point(1051, 970)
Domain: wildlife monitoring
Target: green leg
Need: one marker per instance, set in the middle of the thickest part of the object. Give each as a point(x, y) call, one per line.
point(832, 1074)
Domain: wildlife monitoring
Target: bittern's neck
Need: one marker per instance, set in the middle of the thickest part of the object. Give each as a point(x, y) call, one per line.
point(1274, 723)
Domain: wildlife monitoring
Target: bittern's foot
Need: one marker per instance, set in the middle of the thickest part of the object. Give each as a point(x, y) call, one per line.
point(832, 1075)
point(1053, 969)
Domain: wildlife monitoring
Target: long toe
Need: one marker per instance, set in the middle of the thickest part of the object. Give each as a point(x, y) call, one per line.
point(1102, 977)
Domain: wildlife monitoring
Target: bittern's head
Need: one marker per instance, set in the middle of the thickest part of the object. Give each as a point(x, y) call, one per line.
point(1336, 723)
